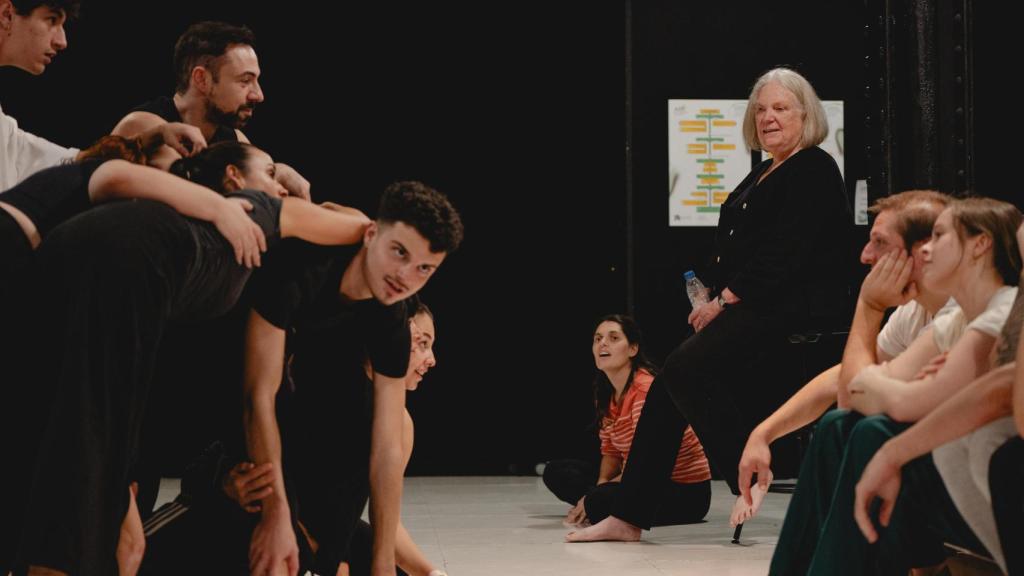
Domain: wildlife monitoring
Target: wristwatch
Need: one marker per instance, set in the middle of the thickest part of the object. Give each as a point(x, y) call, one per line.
point(722, 302)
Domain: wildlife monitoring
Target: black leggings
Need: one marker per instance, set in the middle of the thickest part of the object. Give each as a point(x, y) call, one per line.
point(722, 381)
point(571, 480)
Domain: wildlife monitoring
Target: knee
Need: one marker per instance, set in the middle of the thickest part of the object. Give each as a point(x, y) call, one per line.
point(832, 429)
point(869, 434)
point(833, 419)
point(560, 475)
point(554, 472)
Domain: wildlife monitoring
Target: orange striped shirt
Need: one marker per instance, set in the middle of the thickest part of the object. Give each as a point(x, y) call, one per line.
point(619, 425)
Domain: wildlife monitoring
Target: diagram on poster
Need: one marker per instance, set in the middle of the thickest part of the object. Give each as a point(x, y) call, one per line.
point(707, 157)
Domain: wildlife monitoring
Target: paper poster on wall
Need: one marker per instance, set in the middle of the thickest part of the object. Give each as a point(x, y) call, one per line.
point(707, 157)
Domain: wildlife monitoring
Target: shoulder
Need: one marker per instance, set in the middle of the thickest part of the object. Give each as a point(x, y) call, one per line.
point(6, 122)
point(136, 122)
point(906, 314)
point(260, 199)
point(814, 161)
point(815, 155)
point(991, 321)
point(642, 381)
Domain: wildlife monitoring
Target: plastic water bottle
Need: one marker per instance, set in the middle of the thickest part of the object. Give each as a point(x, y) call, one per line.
point(695, 289)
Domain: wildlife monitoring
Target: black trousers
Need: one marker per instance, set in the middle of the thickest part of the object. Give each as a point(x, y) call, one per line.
point(571, 480)
point(722, 381)
point(1005, 478)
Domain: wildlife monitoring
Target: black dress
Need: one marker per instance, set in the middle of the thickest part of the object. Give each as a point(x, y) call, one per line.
point(109, 281)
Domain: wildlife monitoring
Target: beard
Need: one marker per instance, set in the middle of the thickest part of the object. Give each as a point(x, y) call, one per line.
point(233, 118)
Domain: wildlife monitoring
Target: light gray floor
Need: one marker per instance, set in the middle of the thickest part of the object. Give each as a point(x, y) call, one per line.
point(498, 526)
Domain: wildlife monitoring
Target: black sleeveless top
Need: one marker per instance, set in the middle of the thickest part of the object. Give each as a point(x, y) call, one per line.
point(164, 107)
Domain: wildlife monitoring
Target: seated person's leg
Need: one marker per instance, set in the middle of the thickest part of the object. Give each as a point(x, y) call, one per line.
point(812, 498)
point(684, 504)
point(1006, 479)
point(570, 480)
point(842, 548)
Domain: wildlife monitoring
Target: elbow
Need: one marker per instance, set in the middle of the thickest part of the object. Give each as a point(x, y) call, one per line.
point(1000, 396)
point(254, 402)
point(902, 411)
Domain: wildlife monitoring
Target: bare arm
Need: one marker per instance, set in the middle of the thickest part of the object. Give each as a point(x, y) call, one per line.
point(860, 350)
point(885, 286)
point(966, 361)
point(407, 554)
point(119, 179)
point(273, 541)
point(917, 355)
point(803, 408)
point(611, 466)
point(386, 470)
point(319, 225)
point(979, 403)
point(887, 390)
point(806, 406)
point(142, 125)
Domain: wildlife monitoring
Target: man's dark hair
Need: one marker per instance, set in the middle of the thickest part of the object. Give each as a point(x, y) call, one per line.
point(69, 7)
point(425, 209)
point(202, 44)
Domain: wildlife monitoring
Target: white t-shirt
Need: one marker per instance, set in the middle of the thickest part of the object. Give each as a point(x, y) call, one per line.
point(948, 328)
point(22, 154)
point(905, 324)
point(963, 463)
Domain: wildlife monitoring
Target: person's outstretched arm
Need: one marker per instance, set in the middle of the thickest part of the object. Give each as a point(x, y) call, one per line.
point(984, 400)
point(120, 179)
point(806, 406)
point(386, 470)
point(325, 225)
point(273, 546)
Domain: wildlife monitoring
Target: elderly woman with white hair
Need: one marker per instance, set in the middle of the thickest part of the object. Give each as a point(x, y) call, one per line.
point(778, 267)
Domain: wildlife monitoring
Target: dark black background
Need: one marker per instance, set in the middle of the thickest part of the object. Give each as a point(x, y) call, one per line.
point(517, 111)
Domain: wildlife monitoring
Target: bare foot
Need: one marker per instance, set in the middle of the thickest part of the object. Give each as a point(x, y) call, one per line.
point(611, 528)
point(741, 512)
